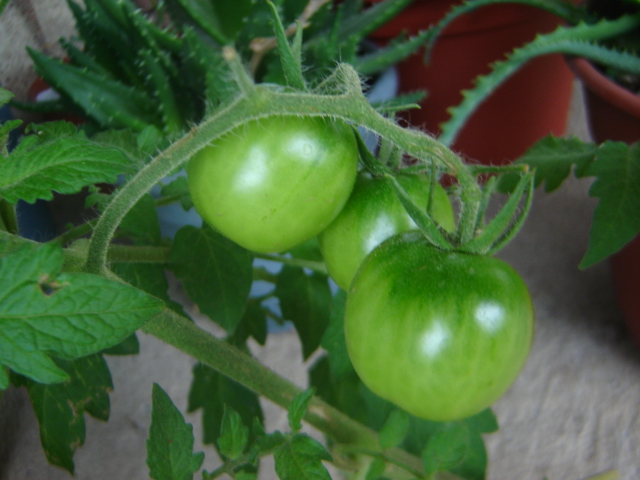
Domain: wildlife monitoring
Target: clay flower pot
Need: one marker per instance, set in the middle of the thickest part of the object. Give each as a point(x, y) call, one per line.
point(613, 113)
point(533, 103)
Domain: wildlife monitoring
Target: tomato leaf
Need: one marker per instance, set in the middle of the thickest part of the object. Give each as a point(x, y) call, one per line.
point(252, 324)
point(170, 444)
point(616, 219)
point(395, 429)
point(57, 158)
point(211, 391)
point(553, 160)
point(446, 449)
point(376, 469)
point(141, 223)
point(333, 339)
point(60, 408)
point(234, 435)
point(301, 458)
point(68, 315)
point(305, 299)
point(474, 465)
point(298, 408)
point(216, 273)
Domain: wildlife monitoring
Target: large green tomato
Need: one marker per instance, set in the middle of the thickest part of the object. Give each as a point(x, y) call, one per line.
point(442, 335)
point(273, 183)
point(373, 214)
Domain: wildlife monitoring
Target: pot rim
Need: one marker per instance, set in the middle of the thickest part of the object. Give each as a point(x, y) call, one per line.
point(604, 87)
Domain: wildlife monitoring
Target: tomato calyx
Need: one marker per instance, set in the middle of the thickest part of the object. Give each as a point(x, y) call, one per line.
point(473, 233)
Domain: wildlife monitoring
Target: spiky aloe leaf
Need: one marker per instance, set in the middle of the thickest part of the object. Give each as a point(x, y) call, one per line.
point(570, 13)
point(107, 101)
point(162, 89)
point(390, 55)
point(578, 40)
point(361, 25)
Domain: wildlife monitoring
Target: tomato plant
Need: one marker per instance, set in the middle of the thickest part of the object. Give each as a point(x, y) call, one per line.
point(441, 334)
point(372, 214)
point(273, 183)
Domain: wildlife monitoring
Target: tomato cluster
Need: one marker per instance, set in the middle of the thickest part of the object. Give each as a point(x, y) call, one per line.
point(440, 334)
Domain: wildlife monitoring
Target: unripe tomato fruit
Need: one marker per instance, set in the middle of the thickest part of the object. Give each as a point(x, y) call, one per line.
point(440, 334)
point(273, 183)
point(372, 214)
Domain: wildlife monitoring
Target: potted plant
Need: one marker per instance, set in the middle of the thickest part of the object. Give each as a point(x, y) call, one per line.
point(65, 306)
point(613, 112)
point(509, 121)
point(69, 302)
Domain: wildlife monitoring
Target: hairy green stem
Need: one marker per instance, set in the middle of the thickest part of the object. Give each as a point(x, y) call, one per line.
point(318, 267)
point(187, 337)
point(262, 101)
point(138, 254)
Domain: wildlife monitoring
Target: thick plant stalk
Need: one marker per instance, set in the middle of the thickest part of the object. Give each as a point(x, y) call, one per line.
point(183, 334)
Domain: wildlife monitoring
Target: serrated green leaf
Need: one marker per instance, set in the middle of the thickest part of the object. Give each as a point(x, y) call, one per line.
point(129, 346)
point(216, 273)
point(616, 219)
point(44, 312)
point(170, 444)
point(211, 391)
point(446, 449)
point(60, 408)
point(553, 160)
point(301, 459)
point(252, 324)
point(298, 409)
point(150, 278)
point(234, 435)
point(305, 300)
point(395, 429)
point(37, 168)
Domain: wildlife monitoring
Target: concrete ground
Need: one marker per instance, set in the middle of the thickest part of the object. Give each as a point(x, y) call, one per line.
point(572, 413)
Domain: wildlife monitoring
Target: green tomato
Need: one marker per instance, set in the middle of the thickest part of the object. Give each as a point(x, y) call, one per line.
point(373, 214)
point(273, 183)
point(440, 334)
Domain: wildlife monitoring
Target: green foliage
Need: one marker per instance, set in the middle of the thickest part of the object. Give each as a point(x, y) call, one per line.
point(57, 157)
point(594, 37)
point(212, 392)
point(45, 312)
point(60, 408)
point(135, 70)
point(170, 444)
point(615, 168)
point(56, 319)
point(215, 271)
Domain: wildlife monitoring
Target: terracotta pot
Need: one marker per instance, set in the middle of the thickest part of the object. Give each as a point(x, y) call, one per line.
point(533, 103)
point(613, 113)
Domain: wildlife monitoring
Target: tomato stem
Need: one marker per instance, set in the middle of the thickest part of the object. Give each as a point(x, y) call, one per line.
point(318, 267)
point(187, 337)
